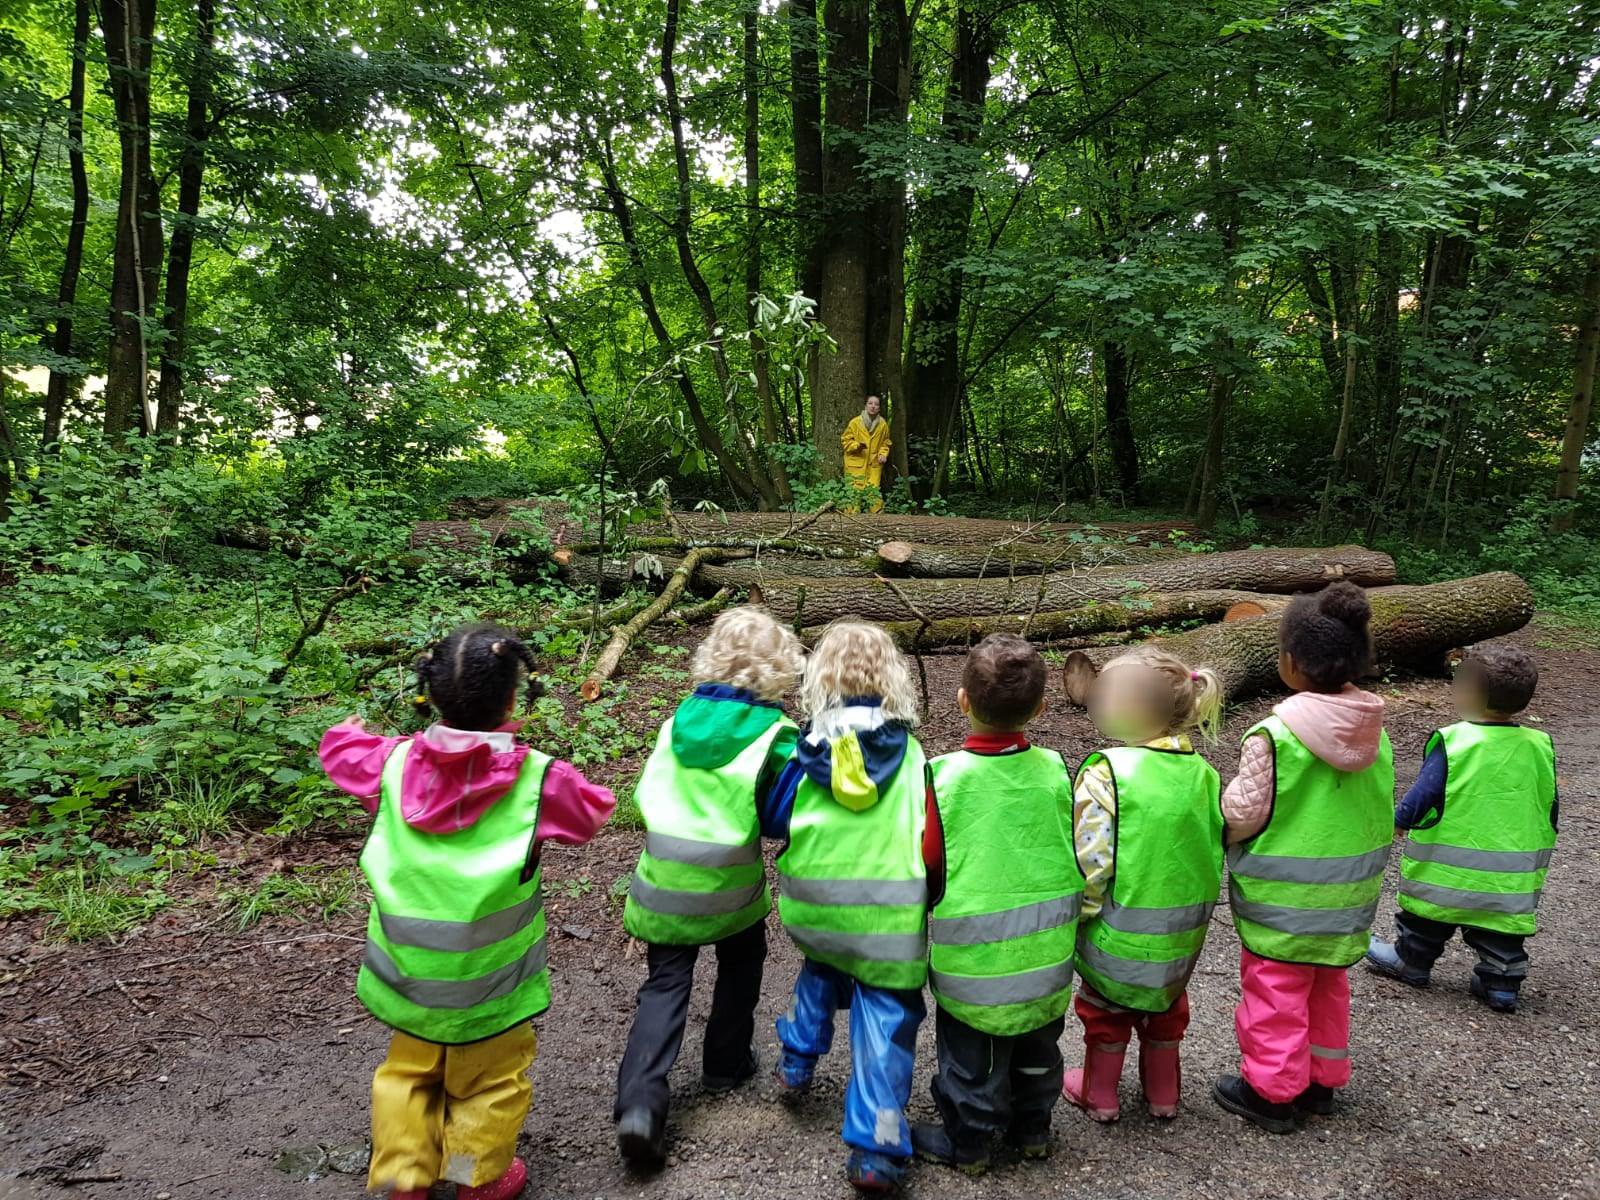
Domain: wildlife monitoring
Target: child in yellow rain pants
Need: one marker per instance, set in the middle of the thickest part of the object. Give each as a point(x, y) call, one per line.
point(866, 448)
point(455, 961)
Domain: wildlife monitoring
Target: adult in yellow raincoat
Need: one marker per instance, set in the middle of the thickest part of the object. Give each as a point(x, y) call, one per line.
point(866, 449)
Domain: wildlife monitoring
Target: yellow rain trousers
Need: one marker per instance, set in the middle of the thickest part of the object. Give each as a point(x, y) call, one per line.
point(449, 1113)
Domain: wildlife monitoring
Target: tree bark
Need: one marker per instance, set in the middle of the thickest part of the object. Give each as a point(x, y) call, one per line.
point(805, 107)
point(1118, 365)
point(191, 169)
point(1218, 395)
point(888, 104)
point(1410, 626)
point(932, 375)
point(606, 665)
point(1287, 570)
point(868, 531)
point(1150, 612)
point(771, 435)
point(841, 382)
point(931, 561)
point(129, 28)
point(63, 381)
point(1576, 434)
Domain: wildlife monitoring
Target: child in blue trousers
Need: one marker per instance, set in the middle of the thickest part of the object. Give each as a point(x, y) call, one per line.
point(853, 888)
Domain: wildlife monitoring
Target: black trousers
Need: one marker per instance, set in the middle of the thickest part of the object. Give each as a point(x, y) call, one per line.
point(657, 1033)
point(987, 1085)
point(1502, 961)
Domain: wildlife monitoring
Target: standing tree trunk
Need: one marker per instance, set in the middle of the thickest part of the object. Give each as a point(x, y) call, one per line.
point(1576, 434)
point(761, 366)
point(1119, 418)
point(888, 104)
point(1341, 440)
point(129, 28)
point(196, 129)
point(932, 379)
point(841, 377)
point(1218, 396)
point(62, 380)
point(805, 106)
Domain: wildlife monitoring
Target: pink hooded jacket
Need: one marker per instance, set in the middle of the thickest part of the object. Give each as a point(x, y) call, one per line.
point(1343, 729)
point(453, 775)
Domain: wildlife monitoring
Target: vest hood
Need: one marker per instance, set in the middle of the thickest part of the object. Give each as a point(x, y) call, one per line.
point(852, 752)
point(715, 724)
point(1343, 729)
point(453, 775)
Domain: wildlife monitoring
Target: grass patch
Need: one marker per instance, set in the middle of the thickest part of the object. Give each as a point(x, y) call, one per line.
point(304, 893)
point(85, 906)
point(1553, 631)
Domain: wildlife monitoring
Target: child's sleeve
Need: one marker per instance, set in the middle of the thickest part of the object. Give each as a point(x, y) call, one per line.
point(353, 759)
point(1247, 801)
point(933, 857)
point(775, 803)
point(571, 809)
point(1423, 806)
point(1094, 833)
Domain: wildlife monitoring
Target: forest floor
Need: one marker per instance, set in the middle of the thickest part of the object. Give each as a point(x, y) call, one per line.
point(191, 1060)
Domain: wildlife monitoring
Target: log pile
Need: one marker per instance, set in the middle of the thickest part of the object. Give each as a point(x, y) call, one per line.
point(947, 582)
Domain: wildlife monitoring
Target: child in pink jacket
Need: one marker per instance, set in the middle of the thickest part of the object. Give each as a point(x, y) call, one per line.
point(453, 827)
point(1309, 823)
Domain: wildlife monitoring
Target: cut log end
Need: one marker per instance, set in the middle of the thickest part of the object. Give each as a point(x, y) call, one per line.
point(590, 691)
point(1244, 609)
point(897, 553)
point(562, 557)
point(1078, 675)
point(756, 596)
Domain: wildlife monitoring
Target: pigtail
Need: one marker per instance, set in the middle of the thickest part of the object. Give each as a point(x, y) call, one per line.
point(1205, 704)
point(420, 702)
point(535, 686)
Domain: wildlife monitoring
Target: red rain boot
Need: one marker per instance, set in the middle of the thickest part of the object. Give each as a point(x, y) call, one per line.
point(1093, 1086)
point(508, 1187)
point(1160, 1077)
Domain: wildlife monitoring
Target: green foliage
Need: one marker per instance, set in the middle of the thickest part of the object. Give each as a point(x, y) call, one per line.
point(303, 893)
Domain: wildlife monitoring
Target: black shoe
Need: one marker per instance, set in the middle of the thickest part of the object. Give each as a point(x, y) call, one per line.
point(1236, 1095)
point(1316, 1100)
point(1029, 1142)
point(641, 1139)
point(932, 1144)
point(1500, 1000)
point(727, 1083)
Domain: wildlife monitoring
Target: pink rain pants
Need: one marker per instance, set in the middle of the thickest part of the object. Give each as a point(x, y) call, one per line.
point(1293, 1022)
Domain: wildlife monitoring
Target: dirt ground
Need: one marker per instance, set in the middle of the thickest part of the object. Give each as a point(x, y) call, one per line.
point(185, 1061)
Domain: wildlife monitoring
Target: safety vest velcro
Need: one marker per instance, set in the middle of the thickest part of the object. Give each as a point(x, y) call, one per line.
point(1002, 934)
point(1305, 889)
point(1483, 864)
point(700, 877)
point(456, 947)
point(852, 888)
point(1141, 948)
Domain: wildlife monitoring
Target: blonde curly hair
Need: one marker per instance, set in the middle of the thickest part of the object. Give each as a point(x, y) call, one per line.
point(747, 648)
point(1196, 691)
point(857, 658)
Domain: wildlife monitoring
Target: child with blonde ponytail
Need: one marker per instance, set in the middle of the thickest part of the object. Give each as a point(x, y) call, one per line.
point(1148, 829)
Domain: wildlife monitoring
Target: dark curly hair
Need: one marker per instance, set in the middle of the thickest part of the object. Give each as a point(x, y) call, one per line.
point(1004, 678)
point(1327, 634)
point(1504, 675)
point(471, 676)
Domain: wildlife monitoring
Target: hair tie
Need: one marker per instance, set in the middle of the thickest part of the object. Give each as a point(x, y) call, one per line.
point(1194, 676)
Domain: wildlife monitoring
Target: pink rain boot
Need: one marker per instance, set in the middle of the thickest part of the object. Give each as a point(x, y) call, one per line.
point(508, 1187)
point(1160, 1077)
point(1093, 1086)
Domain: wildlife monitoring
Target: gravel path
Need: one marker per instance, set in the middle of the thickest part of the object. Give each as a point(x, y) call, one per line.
point(184, 1062)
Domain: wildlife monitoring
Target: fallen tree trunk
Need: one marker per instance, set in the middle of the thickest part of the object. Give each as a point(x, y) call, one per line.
point(1147, 612)
point(1413, 625)
point(868, 531)
point(914, 599)
point(927, 560)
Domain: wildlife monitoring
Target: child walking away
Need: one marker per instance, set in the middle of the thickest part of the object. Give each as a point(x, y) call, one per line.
point(853, 888)
point(1002, 932)
point(700, 881)
point(1309, 823)
point(1148, 826)
point(455, 960)
point(1483, 828)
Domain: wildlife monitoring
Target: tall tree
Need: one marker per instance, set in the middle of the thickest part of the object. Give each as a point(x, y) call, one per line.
point(62, 379)
point(129, 30)
point(1576, 434)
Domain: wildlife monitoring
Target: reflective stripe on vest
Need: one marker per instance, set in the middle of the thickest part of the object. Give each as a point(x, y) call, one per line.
point(1305, 889)
point(1001, 937)
point(852, 888)
point(456, 937)
point(700, 877)
point(1483, 864)
point(1139, 950)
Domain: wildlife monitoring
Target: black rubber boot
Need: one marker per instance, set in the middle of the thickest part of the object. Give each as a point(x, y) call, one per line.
point(1238, 1097)
point(1316, 1100)
point(641, 1139)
